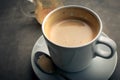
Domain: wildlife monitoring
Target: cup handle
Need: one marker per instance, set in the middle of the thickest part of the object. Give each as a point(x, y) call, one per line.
point(108, 42)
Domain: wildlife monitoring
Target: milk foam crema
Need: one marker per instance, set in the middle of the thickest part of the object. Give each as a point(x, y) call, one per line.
point(70, 33)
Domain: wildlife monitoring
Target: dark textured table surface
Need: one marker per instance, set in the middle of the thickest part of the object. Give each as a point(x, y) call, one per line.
point(18, 34)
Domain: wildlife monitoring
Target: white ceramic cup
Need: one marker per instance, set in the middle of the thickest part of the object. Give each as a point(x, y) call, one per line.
point(73, 59)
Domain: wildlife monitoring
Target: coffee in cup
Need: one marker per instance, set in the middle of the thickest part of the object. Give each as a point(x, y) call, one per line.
point(65, 32)
point(71, 34)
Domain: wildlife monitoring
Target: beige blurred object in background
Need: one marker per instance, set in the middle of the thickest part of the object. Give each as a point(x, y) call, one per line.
point(43, 7)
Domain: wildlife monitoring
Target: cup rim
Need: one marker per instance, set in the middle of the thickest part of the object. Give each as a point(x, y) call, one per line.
point(75, 6)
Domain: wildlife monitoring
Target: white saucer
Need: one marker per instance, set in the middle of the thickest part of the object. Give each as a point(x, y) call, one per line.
point(99, 69)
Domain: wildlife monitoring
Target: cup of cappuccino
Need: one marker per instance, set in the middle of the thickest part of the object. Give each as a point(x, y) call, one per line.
point(71, 33)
